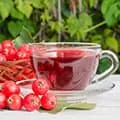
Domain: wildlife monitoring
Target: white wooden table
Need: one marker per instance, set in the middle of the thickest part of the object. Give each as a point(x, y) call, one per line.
point(108, 108)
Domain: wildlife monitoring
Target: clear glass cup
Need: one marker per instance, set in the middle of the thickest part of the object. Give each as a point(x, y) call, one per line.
point(70, 67)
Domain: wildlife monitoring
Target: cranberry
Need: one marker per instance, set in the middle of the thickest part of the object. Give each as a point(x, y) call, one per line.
point(48, 101)
point(7, 43)
point(2, 100)
point(10, 53)
point(14, 102)
point(40, 86)
point(31, 102)
point(11, 88)
point(2, 58)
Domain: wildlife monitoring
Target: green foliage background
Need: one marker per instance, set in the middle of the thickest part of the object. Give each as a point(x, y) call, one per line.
point(63, 20)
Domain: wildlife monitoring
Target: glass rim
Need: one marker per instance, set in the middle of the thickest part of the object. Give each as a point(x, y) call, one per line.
point(78, 44)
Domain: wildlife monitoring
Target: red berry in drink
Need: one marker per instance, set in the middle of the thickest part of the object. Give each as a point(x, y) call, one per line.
point(31, 102)
point(40, 86)
point(2, 100)
point(67, 74)
point(2, 58)
point(10, 53)
point(7, 43)
point(52, 76)
point(14, 102)
point(48, 101)
point(11, 88)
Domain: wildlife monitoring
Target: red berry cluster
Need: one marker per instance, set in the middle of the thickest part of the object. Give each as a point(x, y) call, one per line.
point(9, 52)
point(10, 96)
point(15, 63)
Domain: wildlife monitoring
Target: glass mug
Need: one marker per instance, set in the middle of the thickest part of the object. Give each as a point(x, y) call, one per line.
point(69, 67)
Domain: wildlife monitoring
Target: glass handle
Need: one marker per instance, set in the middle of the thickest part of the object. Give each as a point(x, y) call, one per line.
point(115, 63)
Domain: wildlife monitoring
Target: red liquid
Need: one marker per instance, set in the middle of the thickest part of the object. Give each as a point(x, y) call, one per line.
point(67, 69)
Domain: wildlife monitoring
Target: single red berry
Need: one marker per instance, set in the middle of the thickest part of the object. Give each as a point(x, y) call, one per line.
point(1, 48)
point(7, 43)
point(11, 88)
point(48, 101)
point(31, 75)
point(31, 102)
point(22, 55)
point(27, 71)
point(2, 100)
point(19, 77)
point(14, 102)
point(40, 86)
point(2, 58)
point(10, 53)
point(25, 47)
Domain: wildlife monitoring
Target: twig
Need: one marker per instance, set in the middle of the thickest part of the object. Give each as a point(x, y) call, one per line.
point(74, 7)
point(94, 27)
point(80, 5)
point(54, 12)
point(37, 34)
point(59, 19)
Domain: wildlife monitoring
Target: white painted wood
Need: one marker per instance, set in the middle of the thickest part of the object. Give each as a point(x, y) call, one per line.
point(108, 108)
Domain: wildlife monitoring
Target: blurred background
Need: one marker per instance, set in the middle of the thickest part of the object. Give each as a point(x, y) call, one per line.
point(95, 21)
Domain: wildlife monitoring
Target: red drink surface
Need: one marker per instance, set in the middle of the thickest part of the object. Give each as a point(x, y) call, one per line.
point(67, 69)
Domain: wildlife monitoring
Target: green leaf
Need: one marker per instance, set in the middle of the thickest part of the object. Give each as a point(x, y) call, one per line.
point(57, 26)
point(111, 11)
point(82, 106)
point(46, 16)
point(63, 105)
point(5, 8)
point(49, 3)
point(25, 7)
point(37, 3)
point(85, 19)
point(25, 37)
point(112, 43)
point(110, 16)
point(17, 14)
point(2, 37)
point(76, 26)
point(108, 32)
point(29, 25)
point(106, 4)
point(14, 28)
point(66, 12)
point(92, 3)
point(97, 39)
